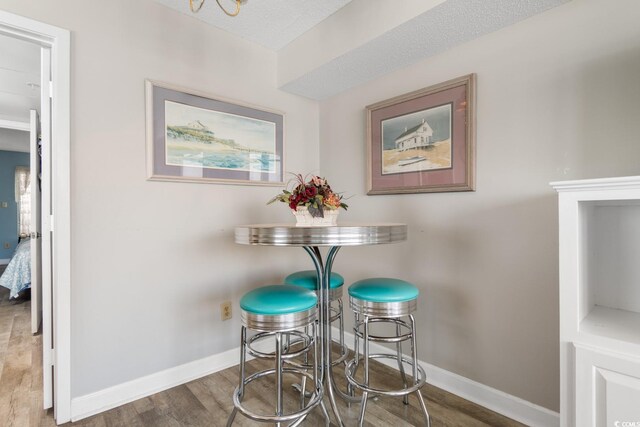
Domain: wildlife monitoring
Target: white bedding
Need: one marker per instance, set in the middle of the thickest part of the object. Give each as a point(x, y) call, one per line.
point(17, 276)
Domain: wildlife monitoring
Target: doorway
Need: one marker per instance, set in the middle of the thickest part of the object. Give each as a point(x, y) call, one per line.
point(20, 175)
point(49, 148)
point(25, 282)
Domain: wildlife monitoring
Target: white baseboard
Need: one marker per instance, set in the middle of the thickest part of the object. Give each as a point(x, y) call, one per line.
point(5, 261)
point(496, 400)
point(508, 405)
point(103, 400)
point(118, 395)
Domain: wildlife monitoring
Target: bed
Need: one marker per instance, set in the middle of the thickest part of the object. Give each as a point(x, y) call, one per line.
point(17, 275)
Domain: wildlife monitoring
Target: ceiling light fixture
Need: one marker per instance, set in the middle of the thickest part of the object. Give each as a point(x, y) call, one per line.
point(196, 5)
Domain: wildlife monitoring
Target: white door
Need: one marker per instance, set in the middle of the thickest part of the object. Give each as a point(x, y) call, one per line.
point(36, 227)
point(47, 277)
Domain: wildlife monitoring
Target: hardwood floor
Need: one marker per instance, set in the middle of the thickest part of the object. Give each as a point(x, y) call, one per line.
point(203, 402)
point(20, 366)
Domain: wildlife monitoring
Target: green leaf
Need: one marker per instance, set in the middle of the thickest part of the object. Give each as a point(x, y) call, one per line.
point(280, 198)
point(316, 210)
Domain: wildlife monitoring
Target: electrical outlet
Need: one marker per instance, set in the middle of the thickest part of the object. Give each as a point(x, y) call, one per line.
point(226, 311)
point(7, 245)
point(4, 205)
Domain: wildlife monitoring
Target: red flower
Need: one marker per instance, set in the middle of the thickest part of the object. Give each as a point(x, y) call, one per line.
point(310, 191)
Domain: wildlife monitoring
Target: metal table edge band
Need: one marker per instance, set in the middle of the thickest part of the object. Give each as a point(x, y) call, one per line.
point(340, 235)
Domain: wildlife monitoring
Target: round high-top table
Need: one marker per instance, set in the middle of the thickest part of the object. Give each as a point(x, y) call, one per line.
point(311, 239)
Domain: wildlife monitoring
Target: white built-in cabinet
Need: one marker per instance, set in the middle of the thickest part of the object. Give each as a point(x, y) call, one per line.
point(599, 302)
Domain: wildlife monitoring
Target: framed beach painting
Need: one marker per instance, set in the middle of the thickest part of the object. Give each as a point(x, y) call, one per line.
point(423, 141)
point(196, 137)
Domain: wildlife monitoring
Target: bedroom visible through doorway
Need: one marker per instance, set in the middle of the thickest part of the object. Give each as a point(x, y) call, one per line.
point(20, 177)
point(25, 211)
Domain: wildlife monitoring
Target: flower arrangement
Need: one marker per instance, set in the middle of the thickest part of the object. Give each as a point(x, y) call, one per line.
point(315, 194)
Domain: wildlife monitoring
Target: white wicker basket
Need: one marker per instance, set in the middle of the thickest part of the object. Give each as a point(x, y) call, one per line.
point(304, 218)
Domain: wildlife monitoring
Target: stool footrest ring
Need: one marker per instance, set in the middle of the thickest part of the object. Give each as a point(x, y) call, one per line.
point(301, 338)
point(316, 398)
point(421, 380)
point(389, 339)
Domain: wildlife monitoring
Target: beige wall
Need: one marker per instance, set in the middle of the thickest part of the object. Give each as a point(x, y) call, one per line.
point(557, 99)
point(151, 260)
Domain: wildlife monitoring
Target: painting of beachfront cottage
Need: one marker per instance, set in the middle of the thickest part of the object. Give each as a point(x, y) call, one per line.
point(208, 139)
point(418, 141)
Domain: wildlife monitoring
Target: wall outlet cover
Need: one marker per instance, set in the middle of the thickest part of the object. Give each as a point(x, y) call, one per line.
point(226, 310)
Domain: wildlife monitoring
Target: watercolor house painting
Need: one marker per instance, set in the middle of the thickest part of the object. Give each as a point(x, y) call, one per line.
point(417, 141)
point(417, 137)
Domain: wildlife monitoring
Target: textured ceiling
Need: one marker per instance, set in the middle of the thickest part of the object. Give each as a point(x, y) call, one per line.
point(443, 27)
point(270, 23)
point(19, 65)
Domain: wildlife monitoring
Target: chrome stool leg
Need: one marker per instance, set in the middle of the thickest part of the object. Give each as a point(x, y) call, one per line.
point(243, 340)
point(414, 355)
point(365, 394)
point(278, 376)
point(316, 379)
point(303, 388)
point(339, 317)
point(340, 307)
point(405, 399)
point(356, 353)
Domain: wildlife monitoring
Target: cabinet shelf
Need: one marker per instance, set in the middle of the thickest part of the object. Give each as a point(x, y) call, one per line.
point(621, 325)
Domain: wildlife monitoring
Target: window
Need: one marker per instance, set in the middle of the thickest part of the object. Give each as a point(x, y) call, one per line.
point(23, 199)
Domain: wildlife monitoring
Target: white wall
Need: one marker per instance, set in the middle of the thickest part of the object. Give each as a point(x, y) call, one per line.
point(557, 99)
point(152, 261)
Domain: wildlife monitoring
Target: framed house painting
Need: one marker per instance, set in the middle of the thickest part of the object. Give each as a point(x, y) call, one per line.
point(423, 141)
point(196, 137)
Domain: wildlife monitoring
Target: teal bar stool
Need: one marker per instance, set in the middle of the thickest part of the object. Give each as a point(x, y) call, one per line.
point(308, 279)
point(387, 301)
point(272, 311)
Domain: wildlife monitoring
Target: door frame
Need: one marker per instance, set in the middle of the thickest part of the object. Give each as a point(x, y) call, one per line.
point(59, 41)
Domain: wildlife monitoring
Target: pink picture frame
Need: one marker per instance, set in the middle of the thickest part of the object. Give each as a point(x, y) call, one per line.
point(423, 141)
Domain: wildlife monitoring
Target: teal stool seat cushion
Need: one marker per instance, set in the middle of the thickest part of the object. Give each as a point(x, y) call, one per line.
point(278, 299)
point(381, 289)
point(308, 279)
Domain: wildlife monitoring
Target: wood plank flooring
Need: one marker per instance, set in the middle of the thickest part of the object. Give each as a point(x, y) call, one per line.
point(206, 401)
point(20, 367)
